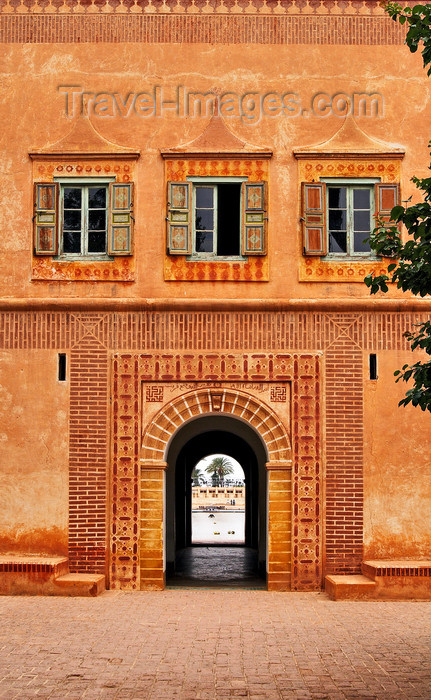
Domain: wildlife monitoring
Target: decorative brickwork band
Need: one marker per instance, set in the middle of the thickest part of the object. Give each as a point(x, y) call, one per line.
point(239, 27)
point(38, 331)
point(412, 569)
point(231, 331)
point(344, 8)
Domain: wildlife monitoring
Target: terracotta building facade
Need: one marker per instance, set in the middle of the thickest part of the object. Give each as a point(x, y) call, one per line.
point(186, 190)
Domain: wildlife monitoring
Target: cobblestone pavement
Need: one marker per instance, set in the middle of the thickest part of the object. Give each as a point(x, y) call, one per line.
point(211, 644)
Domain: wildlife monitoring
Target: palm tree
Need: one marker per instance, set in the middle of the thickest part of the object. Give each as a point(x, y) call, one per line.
point(219, 467)
point(197, 477)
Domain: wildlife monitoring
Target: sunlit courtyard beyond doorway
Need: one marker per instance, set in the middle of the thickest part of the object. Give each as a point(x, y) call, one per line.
point(218, 528)
point(218, 501)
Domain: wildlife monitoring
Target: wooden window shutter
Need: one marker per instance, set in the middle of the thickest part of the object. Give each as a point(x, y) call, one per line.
point(179, 238)
point(387, 197)
point(315, 239)
point(120, 234)
point(254, 218)
point(45, 220)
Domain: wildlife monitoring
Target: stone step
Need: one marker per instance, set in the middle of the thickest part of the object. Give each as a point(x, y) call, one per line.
point(397, 579)
point(397, 567)
point(30, 575)
point(81, 584)
point(349, 587)
point(39, 575)
point(383, 579)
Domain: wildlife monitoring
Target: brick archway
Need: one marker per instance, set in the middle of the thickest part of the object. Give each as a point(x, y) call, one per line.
point(193, 404)
point(274, 436)
point(211, 383)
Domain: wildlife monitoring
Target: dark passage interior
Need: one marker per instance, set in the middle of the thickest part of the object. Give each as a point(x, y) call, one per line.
point(213, 566)
point(227, 565)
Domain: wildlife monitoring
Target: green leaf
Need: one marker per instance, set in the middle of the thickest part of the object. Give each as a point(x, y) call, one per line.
point(412, 270)
point(397, 212)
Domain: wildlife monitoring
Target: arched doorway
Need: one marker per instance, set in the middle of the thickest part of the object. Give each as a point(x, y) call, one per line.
point(192, 442)
point(277, 394)
point(169, 431)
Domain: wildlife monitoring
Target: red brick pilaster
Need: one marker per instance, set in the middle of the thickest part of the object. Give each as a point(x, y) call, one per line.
point(88, 441)
point(344, 453)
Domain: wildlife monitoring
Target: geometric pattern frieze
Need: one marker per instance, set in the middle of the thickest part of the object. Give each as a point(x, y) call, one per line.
point(135, 331)
point(90, 328)
point(257, 367)
point(154, 394)
point(278, 394)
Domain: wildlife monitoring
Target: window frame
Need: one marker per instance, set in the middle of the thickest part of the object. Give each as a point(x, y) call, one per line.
point(201, 181)
point(84, 184)
point(350, 184)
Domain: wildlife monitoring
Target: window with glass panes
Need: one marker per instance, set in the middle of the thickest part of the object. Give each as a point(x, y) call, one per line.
point(350, 219)
point(217, 211)
point(84, 212)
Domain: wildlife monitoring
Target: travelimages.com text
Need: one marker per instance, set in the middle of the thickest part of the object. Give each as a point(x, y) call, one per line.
point(250, 107)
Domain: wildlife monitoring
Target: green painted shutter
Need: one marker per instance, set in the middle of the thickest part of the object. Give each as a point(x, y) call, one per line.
point(254, 218)
point(120, 234)
point(178, 220)
point(315, 239)
point(45, 220)
point(387, 197)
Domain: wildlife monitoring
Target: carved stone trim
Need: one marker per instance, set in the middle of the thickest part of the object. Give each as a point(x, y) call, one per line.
point(304, 373)
point(279, 465)
point(153, 464)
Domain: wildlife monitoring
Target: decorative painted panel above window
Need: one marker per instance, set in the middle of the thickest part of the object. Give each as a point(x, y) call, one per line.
point(217, 204)
point(83, 208)
point(346, 181)
point(216, 222)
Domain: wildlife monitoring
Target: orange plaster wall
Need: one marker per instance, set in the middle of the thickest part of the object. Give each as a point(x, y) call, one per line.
point(33, 436)
point(32, 74)
point(33, 454)
point(397, 467)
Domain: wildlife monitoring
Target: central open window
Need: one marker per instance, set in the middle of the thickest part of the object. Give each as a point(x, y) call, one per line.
point(216, 218)
point(217, 215)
